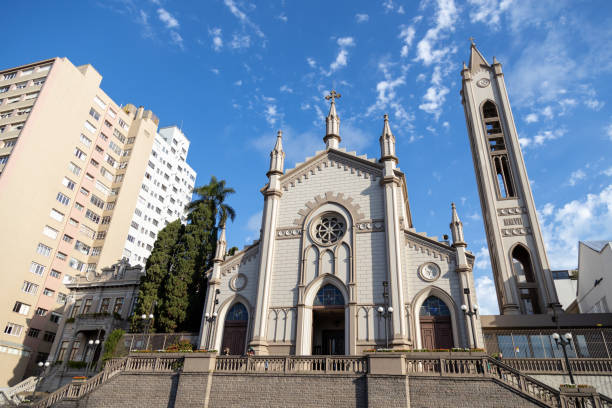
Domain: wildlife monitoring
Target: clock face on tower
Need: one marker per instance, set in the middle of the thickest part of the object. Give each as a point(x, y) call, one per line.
point(429, 271)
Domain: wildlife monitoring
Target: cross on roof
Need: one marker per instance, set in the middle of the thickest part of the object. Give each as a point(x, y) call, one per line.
point(333, 95)
point(472, 40)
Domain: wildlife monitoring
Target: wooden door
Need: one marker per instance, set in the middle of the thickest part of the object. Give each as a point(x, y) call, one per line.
point(436, 332)
point(234, 337)
point(428, 335)
point(333, 342)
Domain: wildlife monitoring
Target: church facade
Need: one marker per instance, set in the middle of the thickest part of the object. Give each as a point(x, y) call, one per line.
point(339, 267)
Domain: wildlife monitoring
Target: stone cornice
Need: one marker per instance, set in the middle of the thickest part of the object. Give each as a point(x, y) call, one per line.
point(427, 245)
point(319, 200)
point(251, 250)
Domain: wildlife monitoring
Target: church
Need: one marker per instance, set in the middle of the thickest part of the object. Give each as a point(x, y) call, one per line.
point(339, 267)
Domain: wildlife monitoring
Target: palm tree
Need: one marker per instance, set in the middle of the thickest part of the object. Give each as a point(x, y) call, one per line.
point(214, 193)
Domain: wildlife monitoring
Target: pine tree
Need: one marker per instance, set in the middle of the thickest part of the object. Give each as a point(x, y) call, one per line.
point(156, 268)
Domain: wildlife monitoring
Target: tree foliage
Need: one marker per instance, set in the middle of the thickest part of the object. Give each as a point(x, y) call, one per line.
point(175, 281)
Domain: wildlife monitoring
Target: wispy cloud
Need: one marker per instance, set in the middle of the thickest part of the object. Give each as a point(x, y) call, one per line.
point(168, 19)
point(286, 89)
point(311, 62)
point(488, 11)
point(362, 18)
point(576, 176)
point(542, 137)
point(177, 39)
point(446, 17)
point(435, 96)
point(342, 58)
point(217, 38)
point(407, 37)
point(243, 18)
point(387, 96)
point(240, 41)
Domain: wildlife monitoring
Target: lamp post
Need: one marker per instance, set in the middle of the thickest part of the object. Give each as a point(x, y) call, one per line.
point(386, 312)
point(470, 312)
point(563, 341)
point(91, 343)
point(148, 320)
point(211, 317)
point(42, 366)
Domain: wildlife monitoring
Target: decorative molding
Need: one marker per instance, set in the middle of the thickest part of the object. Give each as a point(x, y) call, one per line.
point(425, 248)
point(331, 160)
point(319, 200)
point(512, 232)
point(511, 211)
point(235, 263)
point(288, 233)
point(238, 282)
point(438, 272)
point(370, 226)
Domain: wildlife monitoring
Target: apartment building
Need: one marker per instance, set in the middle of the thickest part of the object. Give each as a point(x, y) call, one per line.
point(72, 165)
point(166, 189)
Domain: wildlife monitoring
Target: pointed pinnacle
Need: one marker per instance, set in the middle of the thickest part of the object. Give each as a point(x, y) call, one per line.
point(386, 127)
point(455, 216)
point(278, 147)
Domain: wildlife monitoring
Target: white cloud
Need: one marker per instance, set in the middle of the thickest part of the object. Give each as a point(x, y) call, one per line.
point(215, 71)
point(168, 19)
point(407, 36)
point(576, 176)
point(435, 96)
point(483, 260)
point(486, 295)
point(446, 16)
point(389, 6)
point(361, 18)
point(609, 131)
point(283, 17)
point(271, 114)
point(387, 97)
point(311, 62)
point(217, 39)
point(253, 227)
point(547, 112)
point(531, 118)
point(488, 11)
point(240, 41)
point(238, 82)
point(342, 57)
point(541, 138)
point(242, 17)
point(584, 219)
point(607, 172)
point(285, 88)
point(594, 104)
point(176, 39)
point(143, 20)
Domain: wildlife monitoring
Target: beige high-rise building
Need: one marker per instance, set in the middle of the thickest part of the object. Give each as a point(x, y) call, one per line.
point(72, 163)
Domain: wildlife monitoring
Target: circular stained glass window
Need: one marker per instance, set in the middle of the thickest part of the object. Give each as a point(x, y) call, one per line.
point(328, 229)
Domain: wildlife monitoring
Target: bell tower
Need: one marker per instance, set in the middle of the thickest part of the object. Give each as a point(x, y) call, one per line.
point(523, 280)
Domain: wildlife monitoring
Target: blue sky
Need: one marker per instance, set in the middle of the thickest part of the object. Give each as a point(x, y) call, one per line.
point(232, 72)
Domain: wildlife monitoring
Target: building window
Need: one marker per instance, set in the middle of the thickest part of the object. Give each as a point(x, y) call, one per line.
point(37, 268)
point(89, 126)
point(43, 249)
point(95, 251)
point(103, 136)
point(48, 292)
point(55, 317)
point(118, 305)
point(4, 159)
point(91, 267)
point(131, 140)
point(29, 287)
point(80, 154)
point(88, 232)
point(67, 238)
point(74, 168)
point(29, 96)
point(106, 219)
point(41, 312)
point(61, 256)
point(78, 206)
point(69, 184)
point(84, 191)
point(4, 89)
point(24, 111)
point(119, 136)
point(94, 163)
point(87, 307)
point(50, 232)
point(110, 206)
point(32, 332)
point(73, 222)
point(55, 274)
point(109, 159)
point(105, 305)
point(13, 329)
point(497, 150)
point(38, 82)
point(101, 235)
point(56, 215)
point(112, 113)
point(49, 336)
point(21, 308)
point(76, 264)
point(10, 75)
point(85, 140)
point(94, 114)
point(6, 114)
point(98, 202)
point(115, 148)
point(62, 199)
point(92, 216)
point(102, 188)
point(82, 247)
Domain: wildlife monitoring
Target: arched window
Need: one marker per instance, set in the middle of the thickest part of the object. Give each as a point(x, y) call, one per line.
point(434, 306)
point(329, 295)
point(497, 150)
point(237, 313)
point(521, 262)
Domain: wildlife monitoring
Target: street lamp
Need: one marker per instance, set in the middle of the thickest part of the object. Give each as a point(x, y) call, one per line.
point(148, 321)
point(91, 343)
point(470, 311)
point(42, 366)
point(565, 341)
point(210, 318)
point(386, 312)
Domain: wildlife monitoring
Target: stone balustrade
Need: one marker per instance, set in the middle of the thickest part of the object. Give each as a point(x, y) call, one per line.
point(293, 364)
point(556, 365)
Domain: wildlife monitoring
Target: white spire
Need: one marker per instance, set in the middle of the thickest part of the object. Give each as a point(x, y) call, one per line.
point(332, 123)
point(456, 227)
point(277, 156)
point(221, 246)
point(387, 143)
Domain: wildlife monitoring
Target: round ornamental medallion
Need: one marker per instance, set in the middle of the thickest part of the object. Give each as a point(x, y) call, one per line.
point(238, 282)
point(429, 271)
point(483, 83)
point(328, 229)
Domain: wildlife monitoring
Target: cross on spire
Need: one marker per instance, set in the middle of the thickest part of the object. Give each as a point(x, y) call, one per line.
point(332, 95)
point(472, 40)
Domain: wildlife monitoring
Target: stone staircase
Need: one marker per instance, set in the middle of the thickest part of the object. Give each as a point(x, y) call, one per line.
point(377, 379)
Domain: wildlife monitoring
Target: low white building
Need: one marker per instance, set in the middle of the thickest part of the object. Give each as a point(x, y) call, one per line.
point(594, 276)
point(165, 191)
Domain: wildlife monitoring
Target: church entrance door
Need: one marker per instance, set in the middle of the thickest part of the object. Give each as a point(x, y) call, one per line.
point(235, 330)
point(328, 322)
point(436, 327)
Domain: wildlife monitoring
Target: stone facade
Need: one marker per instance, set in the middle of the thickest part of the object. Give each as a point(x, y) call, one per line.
point(278, 277)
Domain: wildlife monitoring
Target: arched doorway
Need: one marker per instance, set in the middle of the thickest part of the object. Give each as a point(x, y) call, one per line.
point(328, 321)
point(435, 322)
point(521, 261)
point(235, 329)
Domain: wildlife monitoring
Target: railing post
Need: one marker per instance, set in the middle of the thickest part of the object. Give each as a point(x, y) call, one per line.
point(442, 368)
point(286, 364)
point(156, 365)
point(326, 364)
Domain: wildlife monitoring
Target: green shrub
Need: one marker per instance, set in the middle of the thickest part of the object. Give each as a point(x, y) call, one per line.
point(110, 346)
point(77, 364)
point(181, 346)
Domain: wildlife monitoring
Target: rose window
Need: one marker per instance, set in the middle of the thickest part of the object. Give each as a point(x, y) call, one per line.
point(329, 229)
